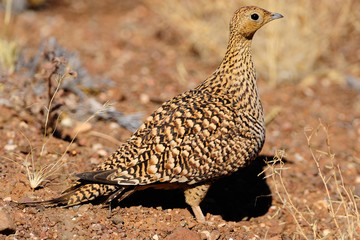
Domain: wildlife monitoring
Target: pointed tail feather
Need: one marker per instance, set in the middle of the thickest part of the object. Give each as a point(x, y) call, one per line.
point(79, 193)
point(60, 201)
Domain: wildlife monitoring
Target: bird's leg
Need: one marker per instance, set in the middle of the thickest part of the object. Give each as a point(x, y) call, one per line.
point(112, 197)
point(115, 195)
point(126, 194)
point(194, 196)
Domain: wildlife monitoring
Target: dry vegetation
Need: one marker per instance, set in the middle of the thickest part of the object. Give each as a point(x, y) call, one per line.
point(289, 50)
point(9, 48)
point(336, 198)
point(36, 170)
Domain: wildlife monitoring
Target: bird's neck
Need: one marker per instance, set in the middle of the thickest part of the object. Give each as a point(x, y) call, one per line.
point(235, 78)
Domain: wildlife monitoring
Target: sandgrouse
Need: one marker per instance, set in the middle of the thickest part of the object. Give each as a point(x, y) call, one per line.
point(194, 138)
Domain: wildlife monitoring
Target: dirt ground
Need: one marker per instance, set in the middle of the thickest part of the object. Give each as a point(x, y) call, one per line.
point(128, 43)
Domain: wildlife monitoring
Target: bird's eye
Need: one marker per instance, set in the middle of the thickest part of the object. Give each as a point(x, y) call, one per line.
point(254, 16)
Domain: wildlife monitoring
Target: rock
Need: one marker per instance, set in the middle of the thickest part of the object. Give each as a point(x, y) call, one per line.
point(102, 153)
point(10, 147)
point(322, 204)
point(97, 146)
point(94, 161)
point(117, 219)
point(7, 199)
point(183, 233)
point(114, 126)
point(326, 232)
point(205, 235)
point(83, 208)
point(95, 227)
point(144, 98)
point(221, 224)
point(82, 127)
point(67, 122)
point(7, 225)
point(357, 180)
point(25, 149)
point(215, 235)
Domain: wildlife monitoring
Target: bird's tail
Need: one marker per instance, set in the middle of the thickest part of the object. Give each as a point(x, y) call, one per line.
point(80, 192)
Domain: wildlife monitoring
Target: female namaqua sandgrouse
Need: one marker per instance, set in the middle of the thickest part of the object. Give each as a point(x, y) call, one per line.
point(194, 138)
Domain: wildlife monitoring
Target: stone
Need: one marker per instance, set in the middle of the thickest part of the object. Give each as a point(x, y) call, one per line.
point(7, 225)
point(183, 233)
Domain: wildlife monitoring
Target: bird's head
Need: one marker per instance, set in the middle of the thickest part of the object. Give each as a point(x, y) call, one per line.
point(247, 20)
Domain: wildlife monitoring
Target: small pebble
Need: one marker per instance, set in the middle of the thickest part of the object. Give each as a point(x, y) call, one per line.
point(205, 235)
point(326, 232)
point(67, 122)
point(82, 127)
point(183, 233)
point(96, 227)
point(7, 225)
point(144, 98)
point(357, 179)
point(322, 204)
point(7, 199)
point(94, 161)
point(215, 235)
point(114, 125)
point(102, 153)
point(23, 124)
point(10, 147)
point(97, 146)
point(117, 219)
point(221, 225)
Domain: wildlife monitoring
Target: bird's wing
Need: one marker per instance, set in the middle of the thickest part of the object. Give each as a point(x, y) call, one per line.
point(188, 140)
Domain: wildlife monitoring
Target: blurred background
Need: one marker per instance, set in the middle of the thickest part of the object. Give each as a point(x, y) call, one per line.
point(315, 39)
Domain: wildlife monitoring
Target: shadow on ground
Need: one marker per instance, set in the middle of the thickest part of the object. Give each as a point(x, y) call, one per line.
point(243, 195)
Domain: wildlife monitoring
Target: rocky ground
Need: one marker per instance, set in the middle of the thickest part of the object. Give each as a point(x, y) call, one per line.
point(313, 128)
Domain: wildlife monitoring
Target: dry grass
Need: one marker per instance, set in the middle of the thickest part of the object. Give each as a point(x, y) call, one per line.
point(9, 51)
point(288, 50)
point(336, 197)
point(37, 170)
point(9, 48)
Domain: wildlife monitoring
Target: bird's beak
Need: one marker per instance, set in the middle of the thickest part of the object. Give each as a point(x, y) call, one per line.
point(276, 16)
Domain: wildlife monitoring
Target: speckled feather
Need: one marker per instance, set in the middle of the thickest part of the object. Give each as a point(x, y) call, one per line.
point(198, 136)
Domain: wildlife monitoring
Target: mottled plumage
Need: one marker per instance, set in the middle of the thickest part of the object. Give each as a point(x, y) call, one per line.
point(198, 136)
